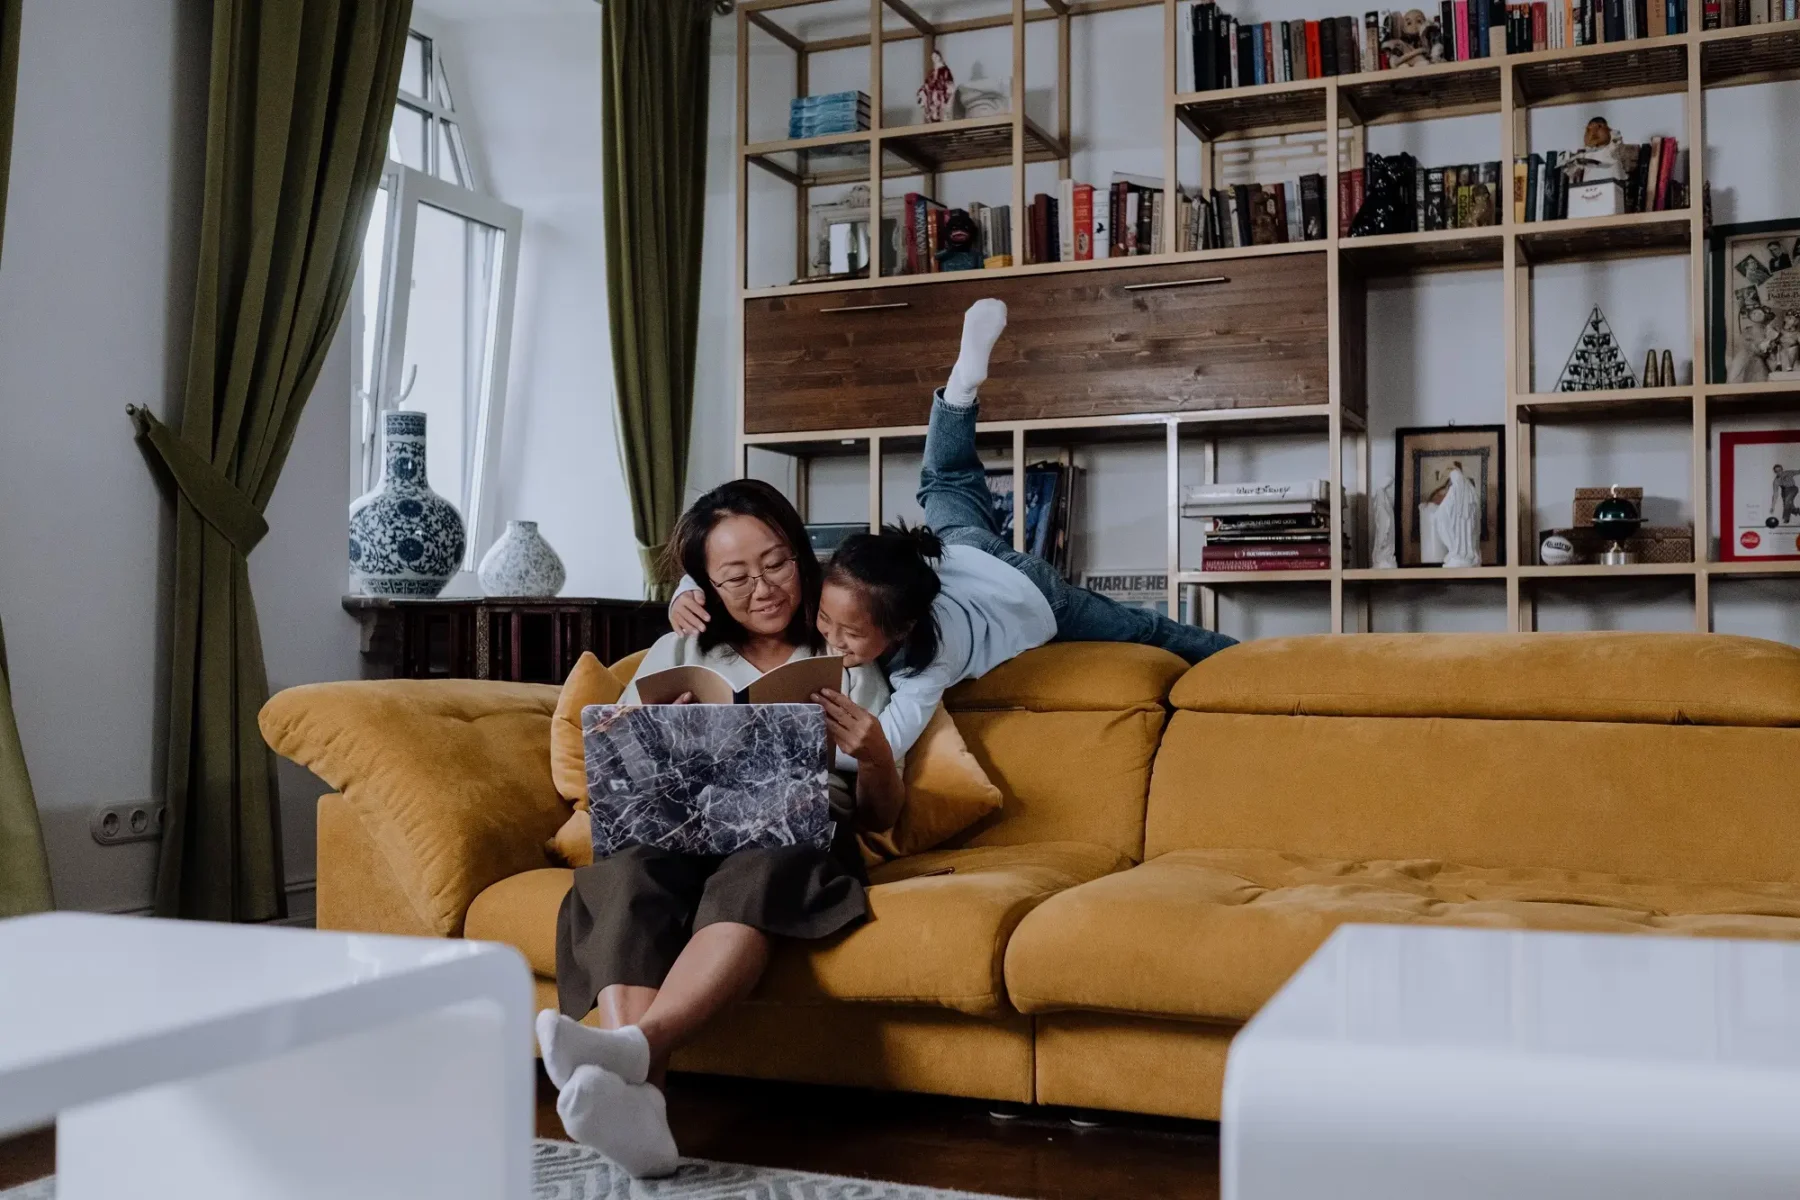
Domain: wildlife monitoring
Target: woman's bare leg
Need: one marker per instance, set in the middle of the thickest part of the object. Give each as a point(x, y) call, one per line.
point(719, 966)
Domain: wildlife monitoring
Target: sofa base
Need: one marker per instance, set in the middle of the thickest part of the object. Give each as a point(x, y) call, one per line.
point(1132, 1064)
point(879, 1046)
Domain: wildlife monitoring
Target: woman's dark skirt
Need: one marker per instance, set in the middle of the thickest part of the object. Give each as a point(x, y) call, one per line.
point(627, 917)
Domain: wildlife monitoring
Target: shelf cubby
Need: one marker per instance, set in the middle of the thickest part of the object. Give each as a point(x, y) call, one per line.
point(1612, 71)
point(1430, 250)
point(1590, 238)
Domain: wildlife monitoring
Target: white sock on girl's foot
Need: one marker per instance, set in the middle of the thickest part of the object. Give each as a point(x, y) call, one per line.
point(568, 1044)
point(982, 327)
point(627, 1122)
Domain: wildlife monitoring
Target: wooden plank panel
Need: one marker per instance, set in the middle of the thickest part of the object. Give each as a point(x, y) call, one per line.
point(1077, 344)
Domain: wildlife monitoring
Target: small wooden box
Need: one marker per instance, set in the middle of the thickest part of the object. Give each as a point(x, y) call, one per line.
point(1589, 498)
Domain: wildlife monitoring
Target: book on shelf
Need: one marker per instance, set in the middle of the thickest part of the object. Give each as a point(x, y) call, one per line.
point(1655, 180)
point(833, 112)
point(1255, 493)
point(1210, 560)
point(1051, 507)
point(1464, 196)
point(1252, 214)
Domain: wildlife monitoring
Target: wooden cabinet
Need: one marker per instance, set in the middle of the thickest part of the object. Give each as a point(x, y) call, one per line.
point(1243, 333)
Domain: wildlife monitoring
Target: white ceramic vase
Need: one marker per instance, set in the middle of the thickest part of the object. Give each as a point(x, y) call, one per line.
point(521, 563)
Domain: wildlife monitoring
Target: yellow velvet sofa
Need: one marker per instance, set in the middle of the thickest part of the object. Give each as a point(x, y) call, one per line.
point(1174, 843)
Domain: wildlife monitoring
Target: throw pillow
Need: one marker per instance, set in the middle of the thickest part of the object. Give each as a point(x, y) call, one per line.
point(573, 845)
point(589, 682)
point(946, 792)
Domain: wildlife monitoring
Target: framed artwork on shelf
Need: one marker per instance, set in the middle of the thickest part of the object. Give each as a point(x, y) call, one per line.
point(1753, 310)
point(1424, 458)
point(1759, 495)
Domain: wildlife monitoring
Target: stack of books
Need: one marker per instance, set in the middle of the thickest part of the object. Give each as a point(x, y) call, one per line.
point(1466, 196)
point(1253, 214)
point(1655, 180)
point(1262, 526)
point(834, 112)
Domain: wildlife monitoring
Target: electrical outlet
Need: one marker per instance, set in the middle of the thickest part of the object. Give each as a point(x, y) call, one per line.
point(136, 821)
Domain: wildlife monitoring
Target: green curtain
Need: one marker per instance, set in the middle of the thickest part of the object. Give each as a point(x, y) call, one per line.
point(301, 95)
point(653, 75)
point(24, 872)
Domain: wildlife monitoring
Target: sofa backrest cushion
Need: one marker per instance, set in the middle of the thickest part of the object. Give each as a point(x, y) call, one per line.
point(1068, 733)
point(1598, 752)
point(1658, 678)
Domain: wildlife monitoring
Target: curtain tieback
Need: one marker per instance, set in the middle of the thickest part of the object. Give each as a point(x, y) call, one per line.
point(219, 501)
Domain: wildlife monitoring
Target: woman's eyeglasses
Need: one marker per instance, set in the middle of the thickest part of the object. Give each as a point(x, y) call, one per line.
point(739, 586)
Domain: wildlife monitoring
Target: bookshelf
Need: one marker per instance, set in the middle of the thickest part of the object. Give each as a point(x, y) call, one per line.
point(1509, 86)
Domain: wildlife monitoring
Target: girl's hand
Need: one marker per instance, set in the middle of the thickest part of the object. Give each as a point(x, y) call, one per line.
point(855, 731)
point(688, 615)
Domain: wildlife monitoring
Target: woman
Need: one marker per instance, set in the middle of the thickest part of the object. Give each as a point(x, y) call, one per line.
point(660, 941)
point(954, 600)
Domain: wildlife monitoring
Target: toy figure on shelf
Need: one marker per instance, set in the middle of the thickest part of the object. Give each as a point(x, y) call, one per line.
point(1412, 39)
point(1598, 160)
point(961, 250)
point(1388, 198)
point(938, 93)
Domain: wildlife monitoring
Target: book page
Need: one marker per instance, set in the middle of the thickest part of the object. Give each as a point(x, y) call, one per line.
point(664, 687)
point(795, 682)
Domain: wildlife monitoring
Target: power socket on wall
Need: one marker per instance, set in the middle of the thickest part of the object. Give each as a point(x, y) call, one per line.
point(136, 821)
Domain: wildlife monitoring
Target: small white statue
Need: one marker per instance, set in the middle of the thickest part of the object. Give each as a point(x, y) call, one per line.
point(1458, 521)
point(938, 93)
point(1383, 556)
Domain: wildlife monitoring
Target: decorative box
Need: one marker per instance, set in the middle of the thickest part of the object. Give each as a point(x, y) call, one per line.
point(1587, 498)
point(1652, 543)
point(1603, 199)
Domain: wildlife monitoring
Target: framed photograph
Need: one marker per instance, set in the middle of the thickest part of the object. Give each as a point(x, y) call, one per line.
point(1423, 459)
point(1759, 495)
point(1753, 279)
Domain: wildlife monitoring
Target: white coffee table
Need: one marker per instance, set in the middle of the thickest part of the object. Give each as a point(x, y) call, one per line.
point(218, 1062)
point(1407, 1062)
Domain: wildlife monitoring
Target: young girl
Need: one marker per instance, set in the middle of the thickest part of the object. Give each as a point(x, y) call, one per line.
point(661, 941)
point(953, 600)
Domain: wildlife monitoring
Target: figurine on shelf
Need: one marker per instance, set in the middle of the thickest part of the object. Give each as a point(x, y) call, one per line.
point(1653, 372)
point(1383, 556)
point(938, 92)
point(1388, 197)
point(1412, 39)
point(1459, 521)
point(1668, 370)
point(961, 250)
point(1599, 159)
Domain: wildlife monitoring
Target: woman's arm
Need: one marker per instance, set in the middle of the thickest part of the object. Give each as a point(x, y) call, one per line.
point(880, 792)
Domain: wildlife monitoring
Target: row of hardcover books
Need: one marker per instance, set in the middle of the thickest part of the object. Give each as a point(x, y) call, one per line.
point(1262, 526)
point(1655, 179)
point(1466, 196)
point(1081, 222)
point(1558, 24)
point(1253, 214)
point(923, 234)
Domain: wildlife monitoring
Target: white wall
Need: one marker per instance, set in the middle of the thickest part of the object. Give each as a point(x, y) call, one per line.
point(95, 300)
point(1435, 346)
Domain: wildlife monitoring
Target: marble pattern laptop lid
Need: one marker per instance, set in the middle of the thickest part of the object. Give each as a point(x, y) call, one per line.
point(707, 778)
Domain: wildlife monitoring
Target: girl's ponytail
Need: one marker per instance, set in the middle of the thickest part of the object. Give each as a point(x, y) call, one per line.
point(893, 571)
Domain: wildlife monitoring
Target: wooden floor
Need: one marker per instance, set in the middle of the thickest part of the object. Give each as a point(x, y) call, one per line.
point(925, 1140)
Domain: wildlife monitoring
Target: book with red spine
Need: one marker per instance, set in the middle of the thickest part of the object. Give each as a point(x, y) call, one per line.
point(1666, 171)
point(1317, 548)
point(1313, 69)
point(1271, 51)
point(1460, 35)
point(1211, 562)
point(1540, 25)
point(1083, 207)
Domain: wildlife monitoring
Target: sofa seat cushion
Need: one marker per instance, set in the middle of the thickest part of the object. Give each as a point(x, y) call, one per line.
point(937, 934)
point(1211, 934)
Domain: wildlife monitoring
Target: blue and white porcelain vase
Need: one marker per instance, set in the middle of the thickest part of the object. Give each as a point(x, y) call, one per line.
point(405, 539)
point(521, 563)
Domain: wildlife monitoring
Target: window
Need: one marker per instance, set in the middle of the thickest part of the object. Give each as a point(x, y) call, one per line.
point(439, 344)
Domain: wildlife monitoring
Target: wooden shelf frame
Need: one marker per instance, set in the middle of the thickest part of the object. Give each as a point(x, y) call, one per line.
point(1511, 86)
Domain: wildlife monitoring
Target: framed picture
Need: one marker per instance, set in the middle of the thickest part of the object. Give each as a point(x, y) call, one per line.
point(1423, 459)
point(1753, 324)
point(1759, 495)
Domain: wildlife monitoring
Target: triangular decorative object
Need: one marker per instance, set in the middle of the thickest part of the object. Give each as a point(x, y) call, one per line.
point(1596, 363)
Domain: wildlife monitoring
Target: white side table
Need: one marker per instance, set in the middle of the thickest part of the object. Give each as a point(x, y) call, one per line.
point(219, 1062)
point(1405, 1061)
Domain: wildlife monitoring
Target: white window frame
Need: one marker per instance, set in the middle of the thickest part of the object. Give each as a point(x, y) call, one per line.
point(408, 188)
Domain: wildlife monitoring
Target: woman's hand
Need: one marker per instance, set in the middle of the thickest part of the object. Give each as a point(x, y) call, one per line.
point(684, 698)
point(855, 731)
point(688, 615)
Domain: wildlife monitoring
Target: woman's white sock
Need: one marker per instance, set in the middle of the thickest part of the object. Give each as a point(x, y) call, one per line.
point(982, 326)
point(627, 1122)
point(568, 1044)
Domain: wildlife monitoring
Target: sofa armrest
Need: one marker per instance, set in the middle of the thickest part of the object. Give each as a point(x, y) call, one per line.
point(451, 778)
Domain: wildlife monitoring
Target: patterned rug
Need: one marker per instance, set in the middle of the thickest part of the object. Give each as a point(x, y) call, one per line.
point(564, 1171)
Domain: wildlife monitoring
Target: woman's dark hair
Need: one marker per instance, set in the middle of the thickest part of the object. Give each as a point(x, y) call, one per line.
point(892, 569)
point(686, 553)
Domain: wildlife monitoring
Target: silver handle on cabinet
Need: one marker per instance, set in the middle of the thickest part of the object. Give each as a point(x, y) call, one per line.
point(856, 308)
point(1175, 283)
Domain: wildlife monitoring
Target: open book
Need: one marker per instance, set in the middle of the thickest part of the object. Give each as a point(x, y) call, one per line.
point(790, 683)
